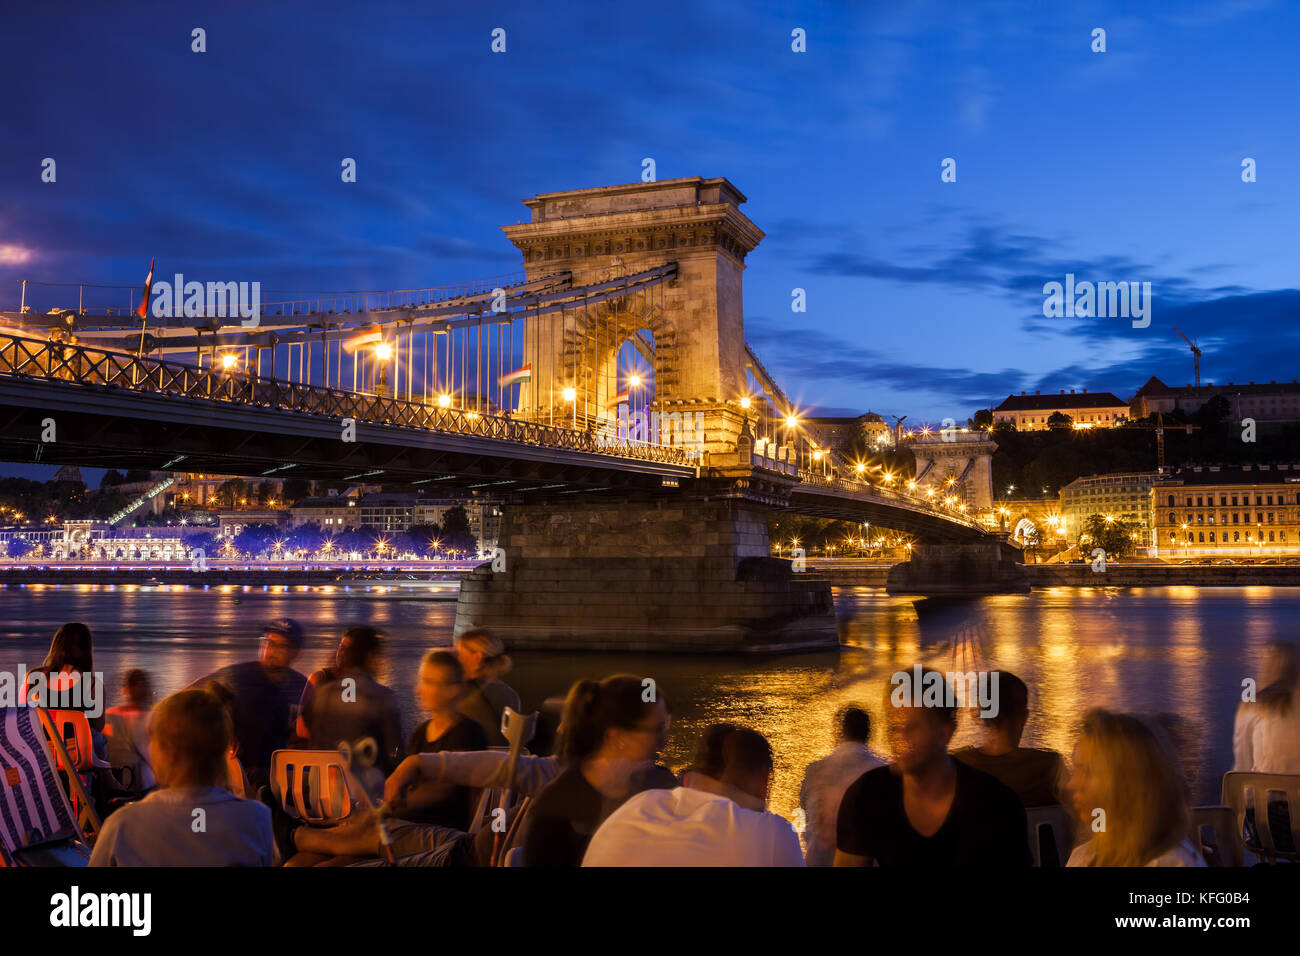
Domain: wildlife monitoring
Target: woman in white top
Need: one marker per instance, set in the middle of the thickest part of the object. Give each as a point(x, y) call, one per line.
point(1266, 733)
point(192, 820)
point(1127, 791)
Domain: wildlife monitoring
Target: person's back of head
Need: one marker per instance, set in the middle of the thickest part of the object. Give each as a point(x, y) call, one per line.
point(1012, 708)
point(189, 739)
point(73, 648)
point(593, 709)
point(360, 649)
point(709, 759)
point(853, 724)
point(747, 762)
point(1281, 677)
point(137, 688)
point(494, 660)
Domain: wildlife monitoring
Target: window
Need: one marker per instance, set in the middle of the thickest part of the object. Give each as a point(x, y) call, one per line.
point(1203, 536)
point(1236, 536)
point(1198, 501)
point(1223, 500)
point(1270, 499)
point(1235, 518)
point(1171, 501)
point(1211, 537)
point(1172, 519)
point(1234, 501)
point(1270, 517)
point(1200, 517)
point(1259, 499)
point(1189, 501)
point(1270, 536)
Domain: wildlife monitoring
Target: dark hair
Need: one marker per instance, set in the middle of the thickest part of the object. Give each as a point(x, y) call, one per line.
point(596, 708)
point(288, 627)
point(854, 723)
point(358, 644)
point(447, 660)
point(72, 647)
point(708, 758)
point(745, 752)
point(224, 696)
point(197, 725)
point(1013, 701)
point(136, 683)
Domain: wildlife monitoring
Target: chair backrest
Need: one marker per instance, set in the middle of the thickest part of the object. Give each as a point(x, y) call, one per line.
point(74, 729)
point(1050, 832)
point(33, 804)
point(1216, 834)
point(1265, 788)
point(312, 785)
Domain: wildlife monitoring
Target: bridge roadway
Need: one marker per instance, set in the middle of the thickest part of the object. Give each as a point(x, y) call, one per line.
point(115, 410)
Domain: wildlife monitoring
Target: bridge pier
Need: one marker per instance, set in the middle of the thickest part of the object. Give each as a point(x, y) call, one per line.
point(675, 575)
point(940, 569)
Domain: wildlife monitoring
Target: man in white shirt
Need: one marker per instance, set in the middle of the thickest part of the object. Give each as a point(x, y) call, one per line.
point(718, 818)
point(826, 780)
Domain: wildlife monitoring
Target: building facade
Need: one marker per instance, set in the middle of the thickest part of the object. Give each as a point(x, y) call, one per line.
point(1126, 497)
point(1272, 403)
point(1248, 512)
point(1086, 409)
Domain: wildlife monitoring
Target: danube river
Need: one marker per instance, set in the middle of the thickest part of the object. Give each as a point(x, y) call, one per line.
point(1177, 650)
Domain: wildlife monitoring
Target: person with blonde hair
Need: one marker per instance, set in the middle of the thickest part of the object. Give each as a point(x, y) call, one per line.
point(484, 657)
point(1128, 791)
point(1266, 733)
point(191, 820)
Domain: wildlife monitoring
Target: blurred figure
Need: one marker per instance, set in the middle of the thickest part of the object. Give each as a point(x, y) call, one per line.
point(354, 705)
point(1124, 769)
point(265, 693)
point(612, 743)
point(826, 780)
point(484, 658)
point(1036, 776)
point(926, 810)
point(189, 738)
point(127, 729)
point(301, 732)
point(438, 689)
point(718, 817)
point(236, 780)
point(1266, 733)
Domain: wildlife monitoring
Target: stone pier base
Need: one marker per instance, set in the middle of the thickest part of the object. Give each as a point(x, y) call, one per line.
point(665, 575)
point(992, 567)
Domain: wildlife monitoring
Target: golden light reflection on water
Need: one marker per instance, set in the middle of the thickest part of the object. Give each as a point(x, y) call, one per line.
point(1181, 650)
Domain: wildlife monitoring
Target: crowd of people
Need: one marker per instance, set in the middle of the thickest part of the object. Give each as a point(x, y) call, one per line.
point(601, 797)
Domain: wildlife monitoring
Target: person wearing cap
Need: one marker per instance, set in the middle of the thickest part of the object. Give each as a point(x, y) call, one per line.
point(265, 694)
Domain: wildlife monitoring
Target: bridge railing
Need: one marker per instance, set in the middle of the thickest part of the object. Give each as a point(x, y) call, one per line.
point(862, 487)
point(26, 357)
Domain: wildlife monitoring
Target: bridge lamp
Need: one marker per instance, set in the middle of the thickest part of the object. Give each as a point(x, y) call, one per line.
point(634, 381)
point(570, 395)
point(229, 360)
point(744, 401)
point(791, 422)
point(383, 351)
point(859, 468)
point(444, 400)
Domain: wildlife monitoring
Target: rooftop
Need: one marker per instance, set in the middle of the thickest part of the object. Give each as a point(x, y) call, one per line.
point(1039, 402)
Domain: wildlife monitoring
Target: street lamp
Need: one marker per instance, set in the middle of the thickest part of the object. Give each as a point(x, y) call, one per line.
point(444, 400)
point(571, 396)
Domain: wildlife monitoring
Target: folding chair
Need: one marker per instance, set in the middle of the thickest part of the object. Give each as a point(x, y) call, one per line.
point(1216, 834)
point(1286, 815)
point(37, 823)
point(1050, 833)
point(313, 786)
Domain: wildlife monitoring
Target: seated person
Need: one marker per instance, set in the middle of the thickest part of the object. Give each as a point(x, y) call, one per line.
point(190, 737)
point(826, 780)
point(127, 729)
point(1036, 776)
point(926, 810)
point(718, 817)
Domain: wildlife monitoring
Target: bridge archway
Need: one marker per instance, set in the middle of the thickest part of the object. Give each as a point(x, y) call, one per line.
point(1025, 529)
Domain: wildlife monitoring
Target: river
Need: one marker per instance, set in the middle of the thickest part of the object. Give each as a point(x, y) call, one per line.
point(1180, 650)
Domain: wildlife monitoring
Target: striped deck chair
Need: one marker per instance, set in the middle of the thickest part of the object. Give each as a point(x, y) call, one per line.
point(37, 825)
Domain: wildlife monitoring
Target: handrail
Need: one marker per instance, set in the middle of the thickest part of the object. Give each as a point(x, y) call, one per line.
point(28, 357)
point(856, 487)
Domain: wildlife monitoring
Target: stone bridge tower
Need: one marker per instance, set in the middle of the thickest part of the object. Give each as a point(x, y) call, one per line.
point(690, 330)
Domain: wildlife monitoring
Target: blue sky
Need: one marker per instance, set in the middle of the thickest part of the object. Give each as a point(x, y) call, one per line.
point(924, 298)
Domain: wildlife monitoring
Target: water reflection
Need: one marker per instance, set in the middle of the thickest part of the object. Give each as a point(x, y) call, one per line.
point(1183, 650)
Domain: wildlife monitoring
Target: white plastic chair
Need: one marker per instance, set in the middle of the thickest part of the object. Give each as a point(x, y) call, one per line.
point(1050, 834)
point(1262, 785)
point(312, 785)
point(1216, 834)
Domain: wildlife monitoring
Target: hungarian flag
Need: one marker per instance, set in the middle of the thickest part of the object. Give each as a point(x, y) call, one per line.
point(143, 311)
point(522, 374)
point(373, 337)
point(618, 399)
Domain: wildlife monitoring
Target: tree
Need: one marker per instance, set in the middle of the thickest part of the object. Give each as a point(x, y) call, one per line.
point(982, 419)
point(17, 547)
point(455, 531)
point(256, 538)
point(111, 479)
point(1115, 537)
point(232, 492)
point(134, 475)
point(295, 489)
point(1059, 420)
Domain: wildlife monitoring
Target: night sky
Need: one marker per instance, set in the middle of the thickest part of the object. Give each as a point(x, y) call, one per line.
point(924, 298)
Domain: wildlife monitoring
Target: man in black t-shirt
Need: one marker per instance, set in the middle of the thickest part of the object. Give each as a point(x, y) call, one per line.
point(927, 810)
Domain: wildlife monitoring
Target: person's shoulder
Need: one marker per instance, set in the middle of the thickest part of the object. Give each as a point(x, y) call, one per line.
point(468, 734)
point(1184, 854)
point(656, 777)
point(872, 785)
point(980, 785)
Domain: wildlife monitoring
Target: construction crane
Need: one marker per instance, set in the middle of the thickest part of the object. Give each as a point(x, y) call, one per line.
point(1159, 429)
point(1196, 356)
